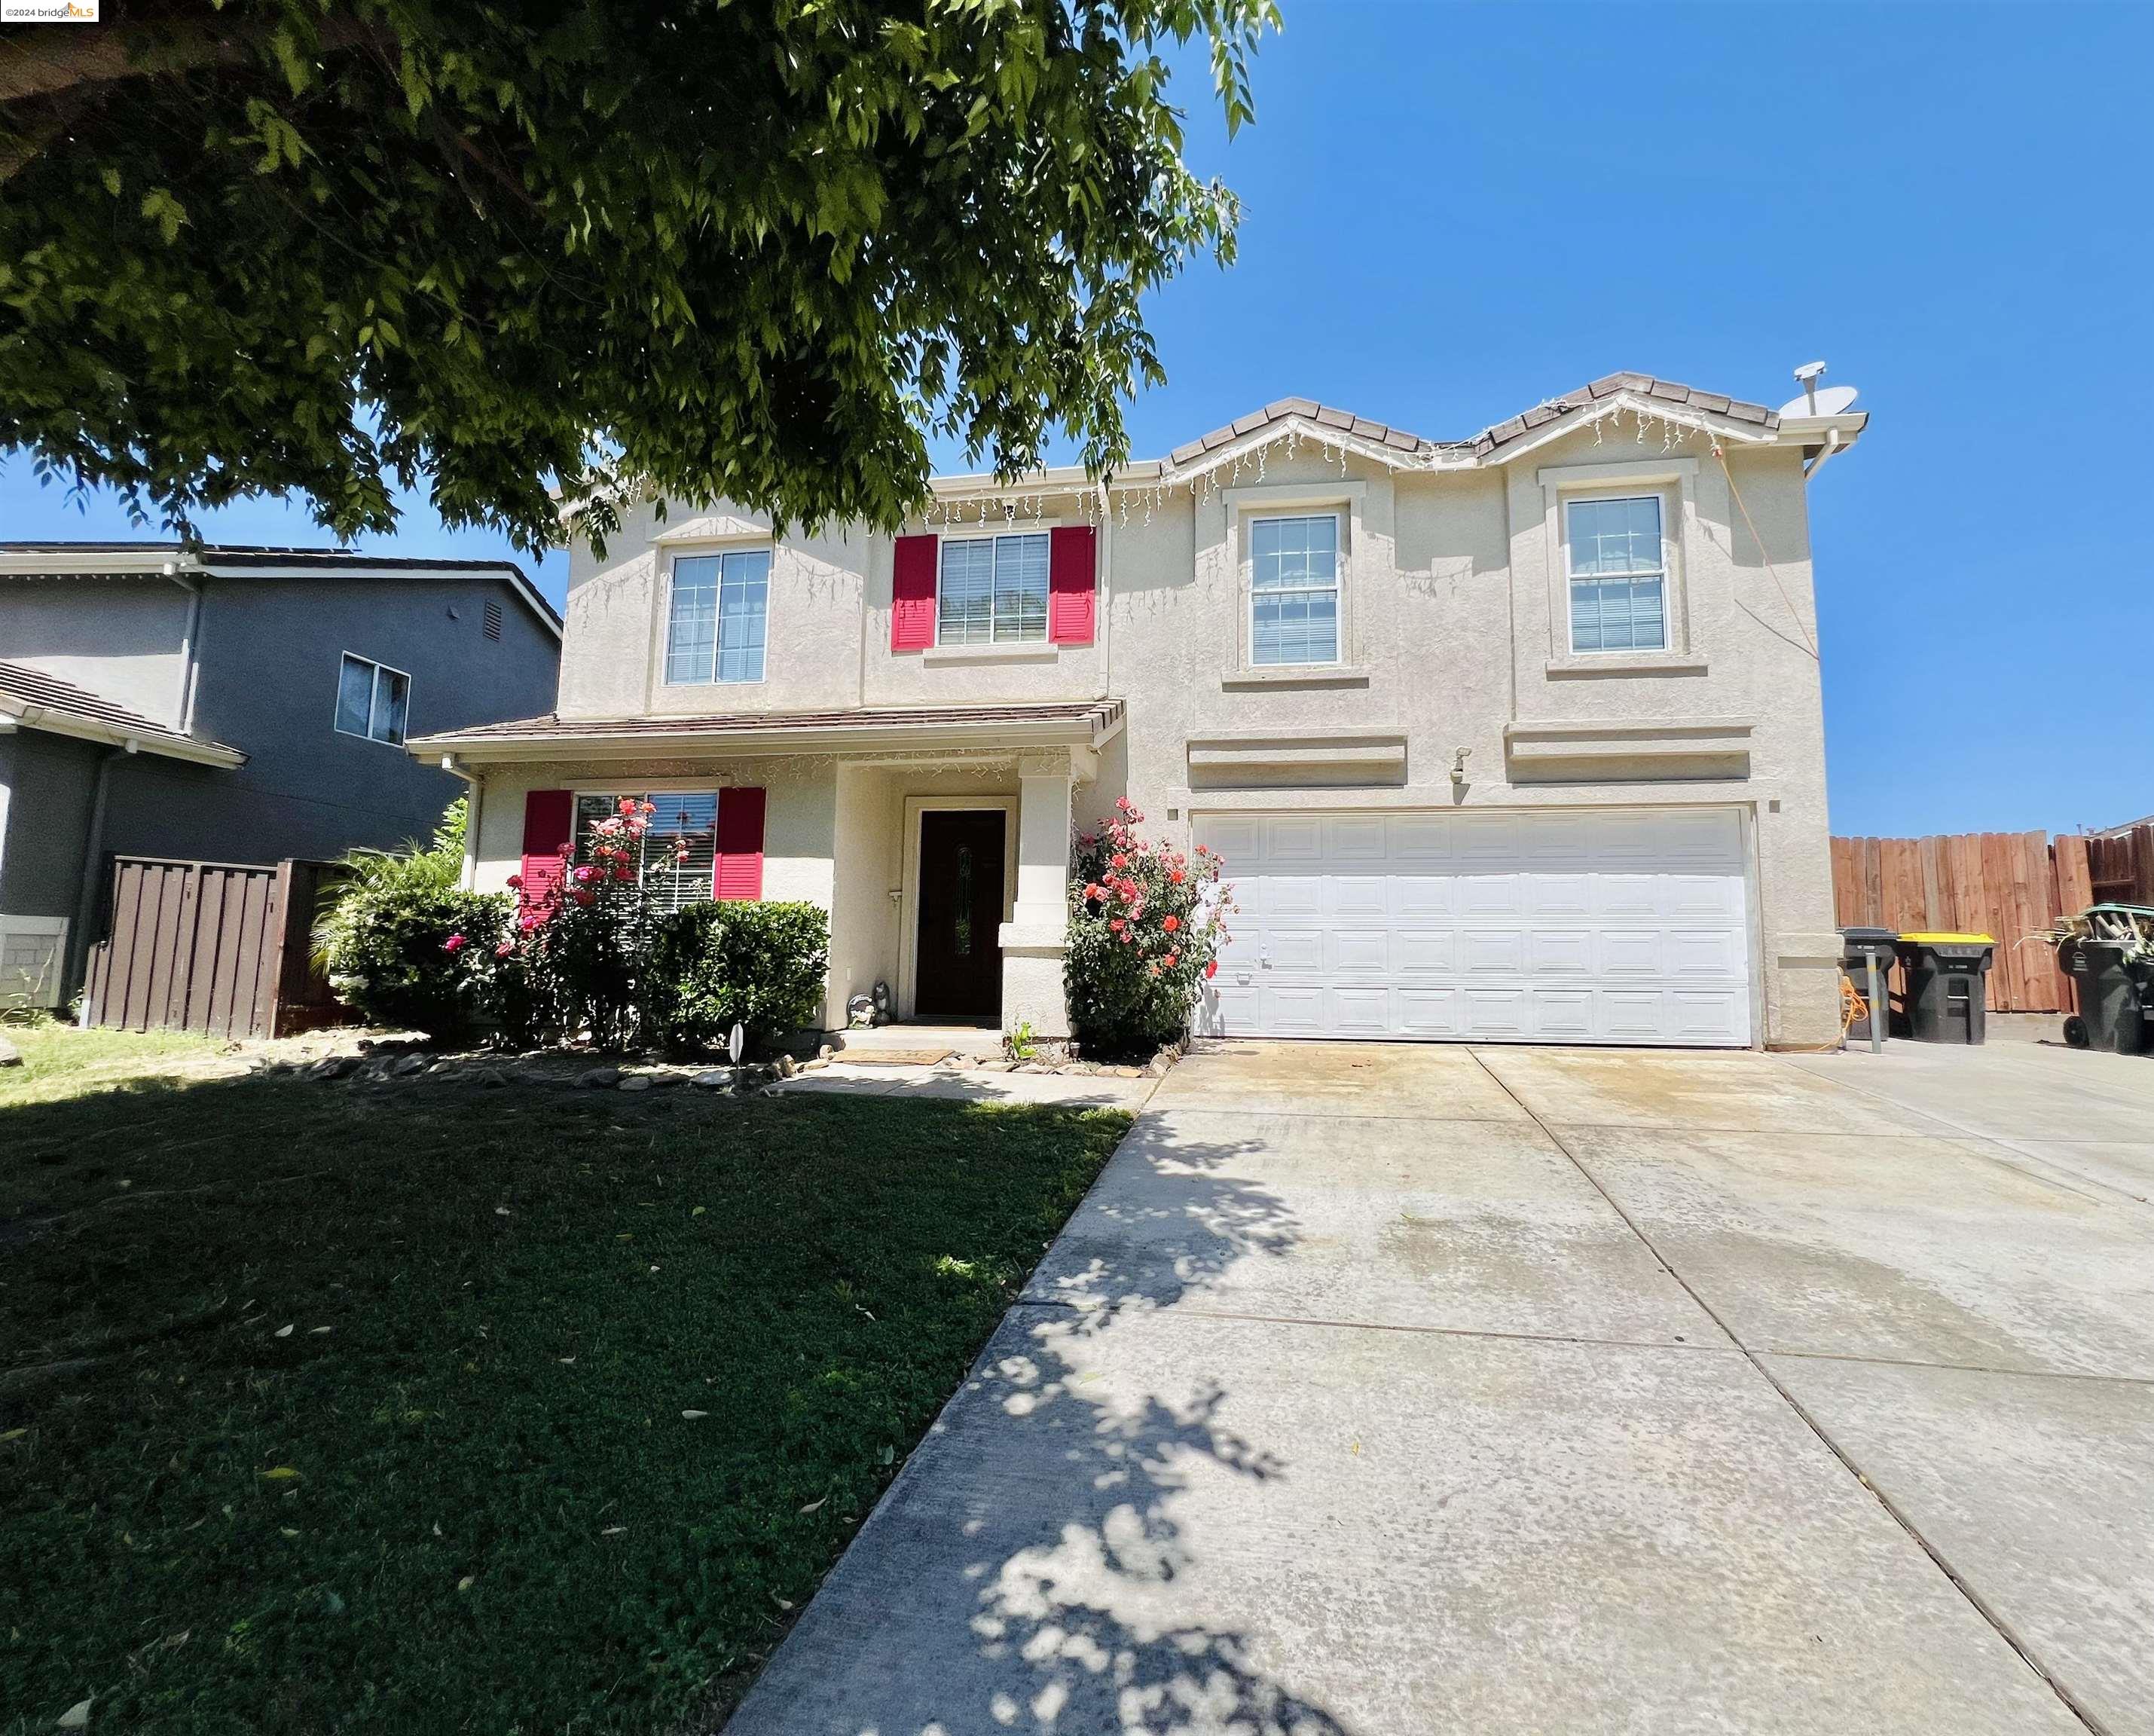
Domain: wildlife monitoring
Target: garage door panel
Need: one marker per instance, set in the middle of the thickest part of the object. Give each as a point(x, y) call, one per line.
point(1355, 838)
point(1294, 838)
point(1361, 1012)
point(1428, 1011)
point(1619, 953)
point(1562, 896)
point(1289, 896)
point(1559, 953)
point(1360, 953)
point(1357, 896)
point(1562, 1015)
point(1492, 951)
point(1423, 895)
point(1572, 926)
point(1489, 895)
point(1424, 953)
point(1295, 952)
point(1495, 1013)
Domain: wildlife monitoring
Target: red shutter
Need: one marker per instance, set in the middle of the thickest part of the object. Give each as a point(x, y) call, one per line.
point(1072, 583)
point(913, 594)
point(737, 871)
point(549, 825)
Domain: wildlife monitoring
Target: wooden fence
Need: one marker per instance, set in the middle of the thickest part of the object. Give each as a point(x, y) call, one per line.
point(221, 947)
point(2010, 884)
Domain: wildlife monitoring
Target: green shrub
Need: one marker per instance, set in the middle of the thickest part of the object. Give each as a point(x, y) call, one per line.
point(714, 965)
point(1145, 926)
point(405, 947)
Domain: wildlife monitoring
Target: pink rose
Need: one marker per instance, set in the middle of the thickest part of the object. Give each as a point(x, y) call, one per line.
point(585, 875)
point(504, 949)
point(455, 944)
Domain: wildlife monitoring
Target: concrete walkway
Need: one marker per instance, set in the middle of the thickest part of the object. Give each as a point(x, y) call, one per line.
point(1422, 1389)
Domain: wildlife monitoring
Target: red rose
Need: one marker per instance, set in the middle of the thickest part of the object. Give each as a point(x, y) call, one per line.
point(584, 895)
point(1211, 968)
point(1121, 861)
point(515, 882)
point(1171, 923)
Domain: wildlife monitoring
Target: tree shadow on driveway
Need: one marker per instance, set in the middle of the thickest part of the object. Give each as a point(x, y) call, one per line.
point(1031, 1567)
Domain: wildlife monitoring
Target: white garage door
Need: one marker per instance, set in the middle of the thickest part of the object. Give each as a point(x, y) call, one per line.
point(1567, 927)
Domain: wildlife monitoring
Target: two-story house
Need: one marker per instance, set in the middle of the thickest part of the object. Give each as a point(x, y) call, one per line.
point(232, 705)
point(1514, 737)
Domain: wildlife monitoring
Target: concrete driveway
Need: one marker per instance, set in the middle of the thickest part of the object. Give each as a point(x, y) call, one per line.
point(1384, 1389)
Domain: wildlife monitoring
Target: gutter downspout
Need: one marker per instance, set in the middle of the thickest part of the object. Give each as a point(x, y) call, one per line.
point(1833, 447)
point(183, 704)
point(74, 977)
point(474, 804)
point(1106, 591)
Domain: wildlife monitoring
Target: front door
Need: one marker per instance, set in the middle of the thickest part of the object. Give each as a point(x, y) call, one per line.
point(960, 972)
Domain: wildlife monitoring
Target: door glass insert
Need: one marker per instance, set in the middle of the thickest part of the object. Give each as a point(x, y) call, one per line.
point(964, 934)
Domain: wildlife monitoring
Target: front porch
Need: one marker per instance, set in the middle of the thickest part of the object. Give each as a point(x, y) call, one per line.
point(938, 842)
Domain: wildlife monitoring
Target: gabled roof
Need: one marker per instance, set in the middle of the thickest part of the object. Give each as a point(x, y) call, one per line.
point(241, 560)
point(31, 699)
point(1672, 393)
point(1285, 410)
point(1497, 444)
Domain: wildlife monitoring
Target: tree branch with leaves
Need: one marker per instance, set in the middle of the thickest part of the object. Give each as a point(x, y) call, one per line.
point(577, 250)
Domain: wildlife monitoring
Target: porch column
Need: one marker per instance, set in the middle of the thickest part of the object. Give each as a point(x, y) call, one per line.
point(1035, 937)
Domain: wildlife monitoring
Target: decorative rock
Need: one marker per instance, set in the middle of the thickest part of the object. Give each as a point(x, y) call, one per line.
point(636, 1082)
point(494, 1078)
point(718, 1078)
point(824, 1053)
point(786, 1066)
point(337, 1066)
point(818, 1065)
point(405, 1065)
point(1128, 1072)
point(598, 1079)
point(663, 1081)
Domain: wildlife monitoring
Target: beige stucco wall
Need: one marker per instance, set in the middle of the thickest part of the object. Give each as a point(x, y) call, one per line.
point(1456, 629)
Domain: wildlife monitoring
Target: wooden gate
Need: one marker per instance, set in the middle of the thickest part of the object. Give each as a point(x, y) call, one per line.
point(221, 947)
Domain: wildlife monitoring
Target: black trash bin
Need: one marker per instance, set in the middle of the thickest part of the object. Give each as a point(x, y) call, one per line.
point(2111, 987)
point(1941, 1000)
point(1858, 947)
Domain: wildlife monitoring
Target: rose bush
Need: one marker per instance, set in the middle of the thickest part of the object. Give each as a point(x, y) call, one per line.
point(583, 946)
point(1145, 924)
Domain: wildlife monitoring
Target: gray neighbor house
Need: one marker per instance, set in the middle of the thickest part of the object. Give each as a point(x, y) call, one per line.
point(231, 705)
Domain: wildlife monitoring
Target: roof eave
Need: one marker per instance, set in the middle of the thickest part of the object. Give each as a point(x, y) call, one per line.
point(478, 748)
point(14, 714)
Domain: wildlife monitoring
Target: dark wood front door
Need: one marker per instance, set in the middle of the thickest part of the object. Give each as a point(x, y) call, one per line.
point(960, 973)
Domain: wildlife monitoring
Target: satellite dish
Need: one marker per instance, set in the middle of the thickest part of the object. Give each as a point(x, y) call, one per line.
point(1830, 401)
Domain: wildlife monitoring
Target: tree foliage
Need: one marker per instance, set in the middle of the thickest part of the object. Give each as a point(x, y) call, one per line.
point(760, 251)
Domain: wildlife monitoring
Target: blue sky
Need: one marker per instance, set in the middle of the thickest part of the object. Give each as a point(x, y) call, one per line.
point(1454, 210)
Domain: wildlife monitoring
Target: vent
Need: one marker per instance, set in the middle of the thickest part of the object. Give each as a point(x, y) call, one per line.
point(493, 621)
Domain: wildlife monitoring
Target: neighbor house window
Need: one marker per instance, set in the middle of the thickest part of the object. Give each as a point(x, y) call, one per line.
point(1294, 589)
point(673, 876)
point(1618, 576)
point(721, 604)
point(372, 700)
point(994, 590)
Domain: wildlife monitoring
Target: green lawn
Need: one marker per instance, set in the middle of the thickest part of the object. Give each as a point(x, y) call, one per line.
point(434, 1408)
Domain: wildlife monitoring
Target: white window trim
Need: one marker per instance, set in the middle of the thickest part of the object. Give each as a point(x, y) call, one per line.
point(1593, 496)
point(1674, 480)
point(1338, 587)
point(1345, 501)
point(337, 705)
point(706, 549)
point(957, 649)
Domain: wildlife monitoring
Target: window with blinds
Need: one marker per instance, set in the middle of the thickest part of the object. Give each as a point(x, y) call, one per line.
point(676, 876)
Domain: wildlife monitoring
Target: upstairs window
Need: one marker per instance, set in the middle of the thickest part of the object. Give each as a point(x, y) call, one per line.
point(721, 607)
point(992, 590)
point(1618, 574)
point(372, 700)
point(1294, 589)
